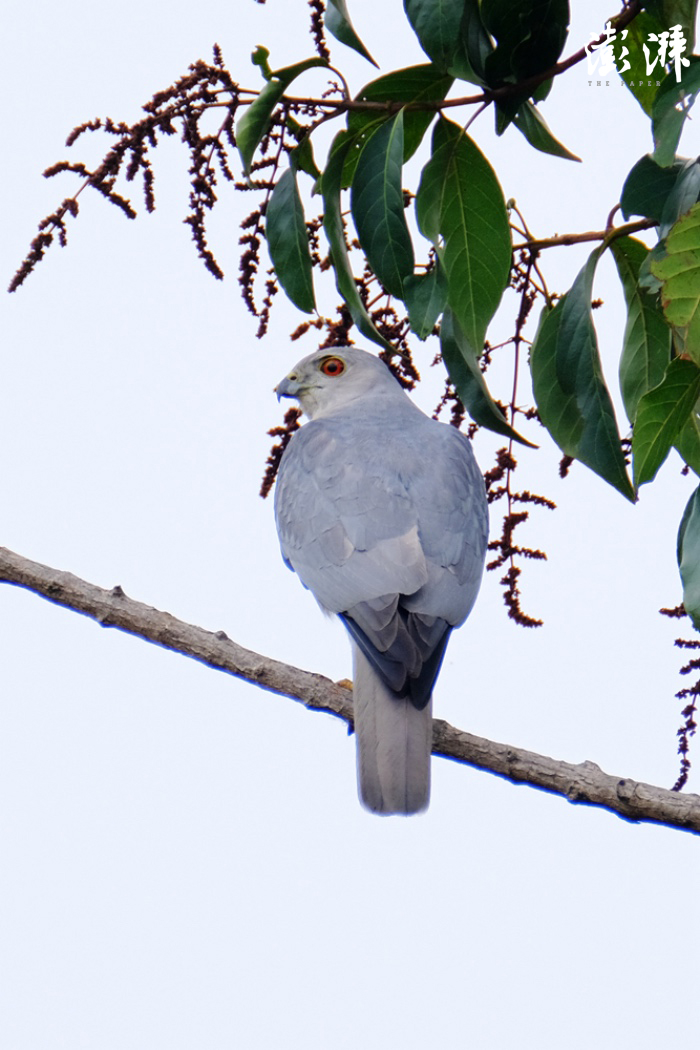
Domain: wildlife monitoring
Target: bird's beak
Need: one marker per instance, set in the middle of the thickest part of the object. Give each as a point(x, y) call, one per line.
point(289, 387)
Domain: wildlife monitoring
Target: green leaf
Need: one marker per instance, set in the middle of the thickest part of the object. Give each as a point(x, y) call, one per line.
point(451, 34)
point(670, 109)
point(557, 408)
point(425, 296)
point(377, 206)
point(646, 348)
point(688, 442)
point(532, 124)
point(303, 153)
point(333, 225)
point(657, 17)
point(675, 12)
point(469, 59)
point(682, 197)
point(289, 73)
point(460, 200)
point(542, 90)
point(416, 84)
point(661, 415)
point(644, 90)
point(468, 379)
point(648, 187)
point(688, 553)
point(256, 120)
point(504, 114)
point(338, 23)
point(530, 37)
point(647, 281)
point(436, 23)
point(253, 125)
point(288, 243)
point(679, 270)
point(305, 160)
point(570, 392)
point(662, 194)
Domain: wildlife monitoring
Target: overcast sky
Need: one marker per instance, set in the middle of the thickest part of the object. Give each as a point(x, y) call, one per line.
point(184, 862)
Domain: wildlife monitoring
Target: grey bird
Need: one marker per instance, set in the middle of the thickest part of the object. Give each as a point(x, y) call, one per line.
point(381, 512)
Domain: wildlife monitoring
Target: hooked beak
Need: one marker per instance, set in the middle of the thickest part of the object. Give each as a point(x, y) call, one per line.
point(289, 387)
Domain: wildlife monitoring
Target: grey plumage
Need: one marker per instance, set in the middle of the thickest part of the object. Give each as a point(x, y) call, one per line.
point(381, 511)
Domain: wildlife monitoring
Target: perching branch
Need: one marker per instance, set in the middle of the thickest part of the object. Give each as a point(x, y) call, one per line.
point(583, 783)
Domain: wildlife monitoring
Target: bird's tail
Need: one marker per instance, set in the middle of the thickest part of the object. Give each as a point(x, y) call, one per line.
point(394, 742)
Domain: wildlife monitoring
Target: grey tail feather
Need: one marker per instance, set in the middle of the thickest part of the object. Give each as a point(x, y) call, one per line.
point(394, 742)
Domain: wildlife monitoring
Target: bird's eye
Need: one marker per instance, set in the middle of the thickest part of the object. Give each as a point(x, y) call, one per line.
point(332, 366)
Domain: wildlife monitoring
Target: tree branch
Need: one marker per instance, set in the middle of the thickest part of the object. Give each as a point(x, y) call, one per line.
point(608, 234)
point(583, 783)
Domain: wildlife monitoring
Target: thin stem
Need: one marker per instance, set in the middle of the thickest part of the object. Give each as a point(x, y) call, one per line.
point(517, 339)
point(476, 114)
point(346, 89)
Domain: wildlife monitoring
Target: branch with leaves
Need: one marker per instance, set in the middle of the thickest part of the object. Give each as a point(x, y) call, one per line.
point(459, 208)
point(584, 783)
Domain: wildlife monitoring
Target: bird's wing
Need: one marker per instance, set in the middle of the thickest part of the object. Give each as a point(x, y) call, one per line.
point(386, 525)
point(346, 523)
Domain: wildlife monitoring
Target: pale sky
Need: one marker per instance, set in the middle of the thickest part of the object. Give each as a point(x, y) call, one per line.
point(184, 862)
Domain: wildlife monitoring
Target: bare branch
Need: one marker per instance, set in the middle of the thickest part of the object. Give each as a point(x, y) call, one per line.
point(583, 783)
point(608, 234)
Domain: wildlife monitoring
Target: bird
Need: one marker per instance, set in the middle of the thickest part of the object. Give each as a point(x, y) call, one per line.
point(381, 511)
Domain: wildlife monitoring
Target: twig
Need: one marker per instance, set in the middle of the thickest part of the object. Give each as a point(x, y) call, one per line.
point(592, 235)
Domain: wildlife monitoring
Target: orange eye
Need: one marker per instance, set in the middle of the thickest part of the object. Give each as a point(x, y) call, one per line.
point(332, 366)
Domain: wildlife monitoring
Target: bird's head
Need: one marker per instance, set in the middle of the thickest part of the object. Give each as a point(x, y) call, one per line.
point(332, 378)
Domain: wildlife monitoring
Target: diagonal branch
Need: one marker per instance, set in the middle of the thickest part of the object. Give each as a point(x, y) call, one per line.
point(609, 234)
point(583, 783)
